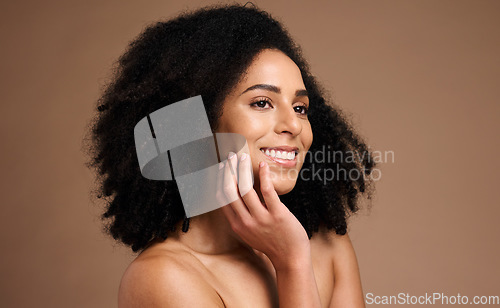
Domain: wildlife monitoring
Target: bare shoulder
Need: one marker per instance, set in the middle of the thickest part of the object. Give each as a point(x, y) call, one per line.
point(332, 243)
point(337, 247)
point(164, 279)
point(347, 288)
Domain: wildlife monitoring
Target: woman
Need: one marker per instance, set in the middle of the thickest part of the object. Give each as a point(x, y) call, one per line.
point(284, 243)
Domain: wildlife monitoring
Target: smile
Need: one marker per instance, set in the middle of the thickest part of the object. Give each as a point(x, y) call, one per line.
point(282, 157)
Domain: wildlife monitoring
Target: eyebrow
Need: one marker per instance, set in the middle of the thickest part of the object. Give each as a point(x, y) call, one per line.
point(274, 89)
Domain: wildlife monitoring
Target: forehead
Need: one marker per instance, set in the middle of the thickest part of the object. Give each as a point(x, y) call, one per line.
point(273, 67)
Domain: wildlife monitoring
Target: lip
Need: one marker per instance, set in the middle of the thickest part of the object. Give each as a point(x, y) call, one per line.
point(283, 148)
point(282, 162)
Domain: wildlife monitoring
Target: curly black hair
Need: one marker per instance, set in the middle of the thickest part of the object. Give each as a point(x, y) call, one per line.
point(206, 53)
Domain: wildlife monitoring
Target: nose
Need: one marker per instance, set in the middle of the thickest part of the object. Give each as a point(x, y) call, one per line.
point(287, 121)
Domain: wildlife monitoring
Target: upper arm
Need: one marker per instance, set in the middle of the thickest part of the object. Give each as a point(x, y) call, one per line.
point(165, 283)
point(347, 290)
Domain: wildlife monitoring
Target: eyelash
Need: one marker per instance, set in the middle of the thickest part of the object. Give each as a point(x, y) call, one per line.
point(267, 101)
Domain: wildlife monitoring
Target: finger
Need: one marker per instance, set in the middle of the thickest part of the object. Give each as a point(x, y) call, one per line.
point(245, 181)
point(267, 188)
point(231, 190)
point(219, 193)
point(229, 179)
point(221, 198)
point(245, 185)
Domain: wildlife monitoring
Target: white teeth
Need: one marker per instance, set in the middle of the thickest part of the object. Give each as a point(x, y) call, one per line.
point(280, 154)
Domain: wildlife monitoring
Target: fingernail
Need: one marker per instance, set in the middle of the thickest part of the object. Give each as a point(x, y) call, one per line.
point(243, 156)
point(221, 165)
point(231, 154)
point(262, 164)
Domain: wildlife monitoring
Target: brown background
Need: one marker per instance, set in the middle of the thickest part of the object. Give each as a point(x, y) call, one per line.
point(420, 78)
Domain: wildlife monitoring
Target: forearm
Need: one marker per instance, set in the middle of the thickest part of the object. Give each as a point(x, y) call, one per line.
point(297, 285)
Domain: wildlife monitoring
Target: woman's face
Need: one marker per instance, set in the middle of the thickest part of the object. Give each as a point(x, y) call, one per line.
point(268, 107)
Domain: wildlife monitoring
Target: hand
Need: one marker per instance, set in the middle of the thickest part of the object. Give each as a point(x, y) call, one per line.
point(268, 227)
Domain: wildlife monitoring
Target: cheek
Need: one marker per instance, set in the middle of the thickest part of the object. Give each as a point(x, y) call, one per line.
point(252, 130)
point(251, 126)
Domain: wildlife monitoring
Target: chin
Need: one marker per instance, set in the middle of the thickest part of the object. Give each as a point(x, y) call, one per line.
point(283, 187)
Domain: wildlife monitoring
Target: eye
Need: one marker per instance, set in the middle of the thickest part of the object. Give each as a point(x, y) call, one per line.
point(261, 103)
point(301, 109)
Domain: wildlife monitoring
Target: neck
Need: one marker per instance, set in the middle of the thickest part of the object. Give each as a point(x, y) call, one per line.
point(211, 233)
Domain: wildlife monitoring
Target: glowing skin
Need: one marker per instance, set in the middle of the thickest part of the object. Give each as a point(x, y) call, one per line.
point(268, 106)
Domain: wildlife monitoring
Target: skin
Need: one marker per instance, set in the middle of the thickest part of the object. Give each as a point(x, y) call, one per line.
point(252, 252)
